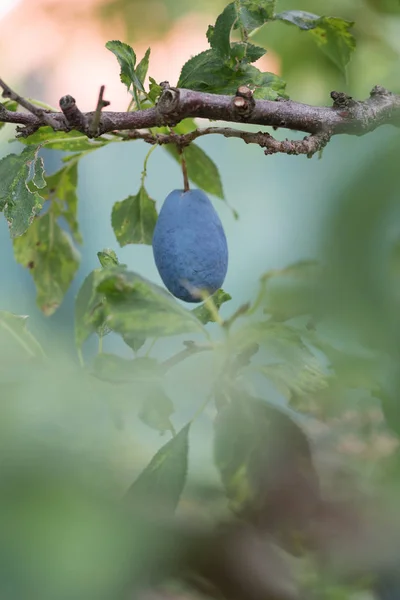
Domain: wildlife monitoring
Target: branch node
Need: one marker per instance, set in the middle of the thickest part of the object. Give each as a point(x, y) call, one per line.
point(243, 103)
point(342, 100)
point(73, 115)
point(378, 90)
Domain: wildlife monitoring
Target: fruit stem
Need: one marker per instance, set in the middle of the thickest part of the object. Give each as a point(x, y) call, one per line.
point(184, 170)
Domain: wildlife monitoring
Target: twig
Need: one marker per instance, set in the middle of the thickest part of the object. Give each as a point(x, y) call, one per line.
point(94, 125)
point(346, 116)
point(40, 113)
point(191, 348)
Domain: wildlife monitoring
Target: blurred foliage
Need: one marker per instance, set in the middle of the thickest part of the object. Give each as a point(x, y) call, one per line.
point(305, 503)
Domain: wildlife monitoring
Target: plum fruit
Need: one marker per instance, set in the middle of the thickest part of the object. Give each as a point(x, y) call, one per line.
point(189, 245)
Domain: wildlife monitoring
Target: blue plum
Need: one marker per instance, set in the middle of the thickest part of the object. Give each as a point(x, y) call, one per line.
point(189, 245)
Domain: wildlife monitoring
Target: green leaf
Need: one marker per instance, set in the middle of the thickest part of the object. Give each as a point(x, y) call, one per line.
point(201, 169)
point(265, 463)
point(292, 365)
point(162, 481)
point(300, 18)
point(204, 314)
point(116, 369)
point(143, 67)
point(51, 257)
point(331, 34)
point(155, 90)
point(14, 326)
point(208, 72)
point(127, 60)
point(157, 409)
point(87, 303)
point(252, 14)
point(108, 258)
point(72, 141)
point(246, 53)
point(61, 190)
point(134, 219)
point(333, 37)
point(134, 342)
point(219, 35)
point(19, 203)
point(140, 308)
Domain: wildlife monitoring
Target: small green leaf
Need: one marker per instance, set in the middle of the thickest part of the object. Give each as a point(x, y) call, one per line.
point(155, 90)
point(143, 67)
point(140, 308)
point(331, 34)
point(157, 409)
point(300, 18)
point(201, 169)
point(61, 190)
point(219, 35)
point(116, 369)
point(252, 14)
point(127, 60)
point(19, 203)
point(208, 72)
point(87, 304)
point(162, 482)
point(134, 342)
point(50, 256)
point(134, 219)
point(204, 314)
point(72, 141)
point(246, 53)
point(108, 258)
point(14, 326)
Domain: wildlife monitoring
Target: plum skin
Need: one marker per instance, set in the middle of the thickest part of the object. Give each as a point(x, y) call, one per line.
point(189, 245)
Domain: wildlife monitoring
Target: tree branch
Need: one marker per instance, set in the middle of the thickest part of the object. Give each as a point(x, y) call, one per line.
point(346, 116)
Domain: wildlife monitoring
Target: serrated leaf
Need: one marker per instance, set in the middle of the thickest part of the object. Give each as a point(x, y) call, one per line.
point(252, 14)
point(72, 141)
point(265, 463)
point(208, 72)
point(61, 190)
point(219, 35)
point(331, 34)
point(19, 203)
point(161, 483)
point(200, 168)
point(134, 219)
point(127, 60)
point(246, 53)
point(108, 258)
point(155, 90)
point(52, 259)
point(204, 314)
point(143, 67)
point(15, 328)
point(140, 308)
point(110, 367)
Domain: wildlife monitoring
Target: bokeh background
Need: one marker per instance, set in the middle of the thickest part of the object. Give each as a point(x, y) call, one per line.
point(289, 207)
point(49, 48)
